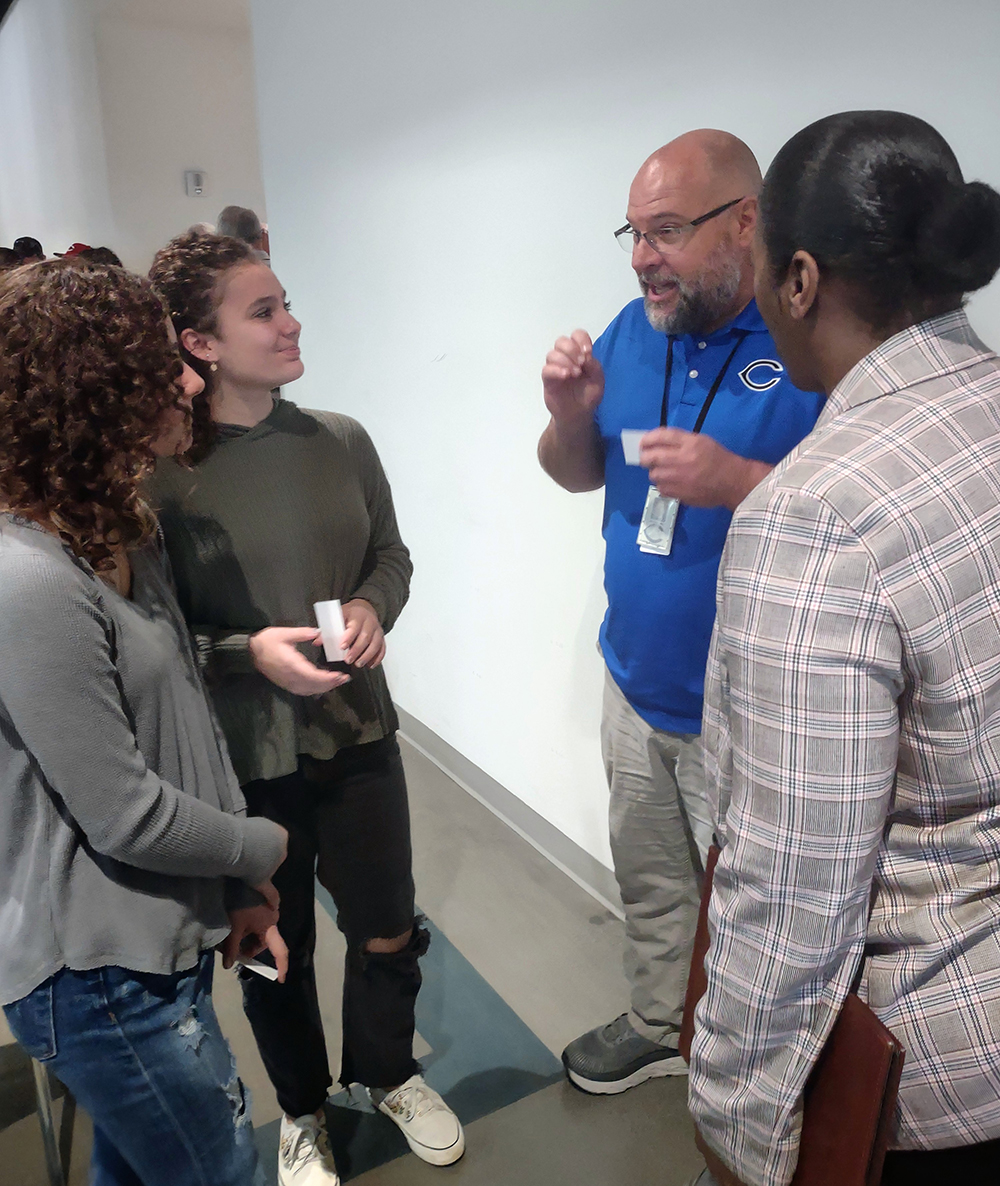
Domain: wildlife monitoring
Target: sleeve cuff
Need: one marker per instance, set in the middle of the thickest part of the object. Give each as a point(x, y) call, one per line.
point(375, 598)
point(239, 895)
point(220, 655)
point(262, 850)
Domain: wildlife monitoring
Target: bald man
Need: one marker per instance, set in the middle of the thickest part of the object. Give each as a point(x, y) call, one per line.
point(690, 371)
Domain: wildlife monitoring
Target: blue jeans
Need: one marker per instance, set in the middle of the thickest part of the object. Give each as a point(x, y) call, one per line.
point(145, 1056)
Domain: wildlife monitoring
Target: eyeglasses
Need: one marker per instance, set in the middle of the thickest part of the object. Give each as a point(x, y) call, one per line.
point(667, 239)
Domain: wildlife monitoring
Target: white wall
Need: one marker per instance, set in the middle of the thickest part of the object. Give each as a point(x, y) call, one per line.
point(105, 104)
point(442, 181)
point(177, 93)
point(53, 170)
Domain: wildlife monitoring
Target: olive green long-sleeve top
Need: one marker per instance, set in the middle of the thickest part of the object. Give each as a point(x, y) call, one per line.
point(290, 512)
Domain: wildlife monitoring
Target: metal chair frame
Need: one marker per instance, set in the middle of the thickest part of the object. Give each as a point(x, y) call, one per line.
point(58, 1148)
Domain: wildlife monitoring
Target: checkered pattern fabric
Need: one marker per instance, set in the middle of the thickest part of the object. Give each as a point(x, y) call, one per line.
point(852, 734)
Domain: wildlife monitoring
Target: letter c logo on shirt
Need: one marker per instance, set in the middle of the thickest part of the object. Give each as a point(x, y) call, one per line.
point(767, 378)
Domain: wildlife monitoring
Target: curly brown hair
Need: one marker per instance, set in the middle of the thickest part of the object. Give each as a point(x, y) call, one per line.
point(189, 273)
point(86, 374)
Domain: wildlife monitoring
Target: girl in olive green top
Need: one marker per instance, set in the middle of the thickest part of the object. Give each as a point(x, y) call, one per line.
point(286, 507)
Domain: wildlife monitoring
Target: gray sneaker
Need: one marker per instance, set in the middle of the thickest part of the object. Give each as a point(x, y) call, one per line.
point(613, 1058)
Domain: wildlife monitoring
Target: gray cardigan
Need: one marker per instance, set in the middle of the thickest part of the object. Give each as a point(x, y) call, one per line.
point(120, 816)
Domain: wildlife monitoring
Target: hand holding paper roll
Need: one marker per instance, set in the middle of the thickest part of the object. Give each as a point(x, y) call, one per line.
point(351, 632)
point(364, 637)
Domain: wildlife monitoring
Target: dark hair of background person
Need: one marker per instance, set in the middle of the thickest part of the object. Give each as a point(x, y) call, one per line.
point(86, 374)
point(239, 222)
point(28, 248)
point(9, 258)
point(188, 273)
point(99, 255)
point(879, 201)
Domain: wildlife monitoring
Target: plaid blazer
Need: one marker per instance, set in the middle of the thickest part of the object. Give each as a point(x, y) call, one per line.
point(852, 735)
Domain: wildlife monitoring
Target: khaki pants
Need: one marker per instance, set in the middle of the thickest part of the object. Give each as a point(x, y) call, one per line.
point(660, 833)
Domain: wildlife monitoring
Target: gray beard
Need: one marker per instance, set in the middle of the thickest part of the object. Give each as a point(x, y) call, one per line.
point(701, 302)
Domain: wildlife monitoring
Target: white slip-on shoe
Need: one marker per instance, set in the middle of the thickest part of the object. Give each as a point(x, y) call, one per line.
point(431, 1128)
point(304, 1157)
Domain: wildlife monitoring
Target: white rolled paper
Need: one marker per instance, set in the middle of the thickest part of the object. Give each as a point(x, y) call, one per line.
point(330, 619)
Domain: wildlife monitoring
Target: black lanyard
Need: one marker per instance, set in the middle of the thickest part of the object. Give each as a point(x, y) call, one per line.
point(713, 391)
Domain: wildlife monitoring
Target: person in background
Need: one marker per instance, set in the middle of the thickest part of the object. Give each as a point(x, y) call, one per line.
point(100, 255)
point(284, 508)
point(127, 852)
point(852, 716)
point(92, 255)
point(692, 353)
point(29, 251)
point(9, 258)
point(239, 222)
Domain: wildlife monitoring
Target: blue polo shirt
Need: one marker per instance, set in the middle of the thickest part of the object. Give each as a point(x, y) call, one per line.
point(656, 632)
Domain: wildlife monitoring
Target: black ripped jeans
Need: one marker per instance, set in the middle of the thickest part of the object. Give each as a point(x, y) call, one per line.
point(965, 1165)
point(348, 824)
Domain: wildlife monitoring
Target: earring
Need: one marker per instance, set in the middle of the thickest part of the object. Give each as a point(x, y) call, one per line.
point(213, 367)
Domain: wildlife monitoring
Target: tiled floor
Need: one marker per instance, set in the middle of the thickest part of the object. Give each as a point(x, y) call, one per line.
point(523, 961)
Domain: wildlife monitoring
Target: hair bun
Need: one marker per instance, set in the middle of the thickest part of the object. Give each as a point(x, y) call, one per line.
point(959, 242)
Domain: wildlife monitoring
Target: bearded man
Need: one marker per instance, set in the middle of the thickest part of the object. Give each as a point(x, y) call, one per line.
point(691, 363)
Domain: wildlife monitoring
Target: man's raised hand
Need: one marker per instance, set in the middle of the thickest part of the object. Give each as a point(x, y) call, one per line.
point(572, 378)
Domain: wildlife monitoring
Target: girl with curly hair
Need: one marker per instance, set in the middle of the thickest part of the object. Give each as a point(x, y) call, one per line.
point(127, 855)
point(285, 508)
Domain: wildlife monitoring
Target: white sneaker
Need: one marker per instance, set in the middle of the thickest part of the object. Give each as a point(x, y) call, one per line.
point(431, 1128)
point(304, 1157)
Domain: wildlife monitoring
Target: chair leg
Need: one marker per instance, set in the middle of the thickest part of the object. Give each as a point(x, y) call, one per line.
point(43, 1096)
point(66, 1133)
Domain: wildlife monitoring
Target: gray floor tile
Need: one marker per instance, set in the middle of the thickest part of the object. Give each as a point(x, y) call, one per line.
point(561, 1137)
point(547, 947)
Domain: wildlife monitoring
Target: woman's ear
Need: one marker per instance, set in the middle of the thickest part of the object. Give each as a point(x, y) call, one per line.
point(800, 287)
point(198, 345)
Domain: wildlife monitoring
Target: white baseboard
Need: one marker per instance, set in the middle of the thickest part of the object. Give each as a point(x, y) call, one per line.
point(555, 846)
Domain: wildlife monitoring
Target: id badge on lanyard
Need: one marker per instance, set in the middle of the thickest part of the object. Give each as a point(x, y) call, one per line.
point(659, 515)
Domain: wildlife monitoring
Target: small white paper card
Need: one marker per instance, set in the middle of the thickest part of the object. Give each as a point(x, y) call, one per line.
point(330, 619)
point(630, 444)
point(264, 970)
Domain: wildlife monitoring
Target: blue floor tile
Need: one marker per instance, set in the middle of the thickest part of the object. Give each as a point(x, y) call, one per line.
point(483, 1057)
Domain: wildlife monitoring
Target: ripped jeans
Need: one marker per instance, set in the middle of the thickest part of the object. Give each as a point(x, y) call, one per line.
point(348, 825)
point(144, 1055)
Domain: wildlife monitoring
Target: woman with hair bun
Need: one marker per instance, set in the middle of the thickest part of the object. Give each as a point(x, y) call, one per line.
point(852, 719)
point(284, 508)
point(127, 853)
